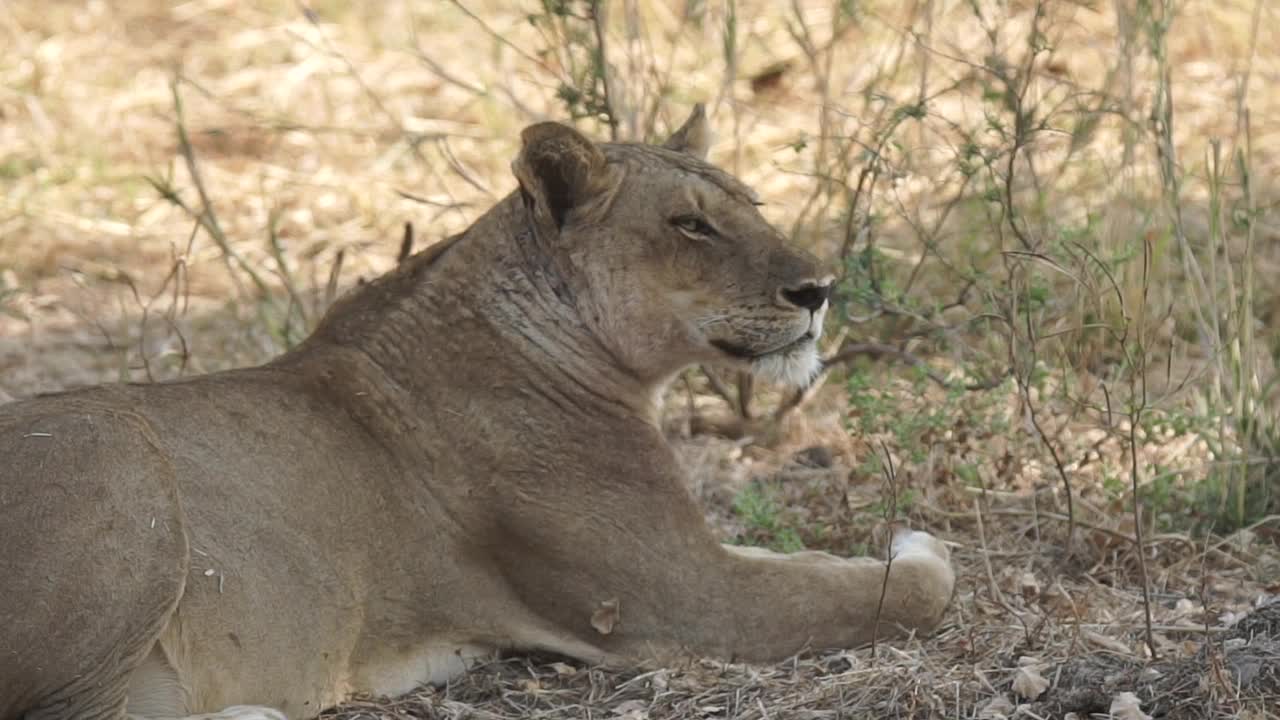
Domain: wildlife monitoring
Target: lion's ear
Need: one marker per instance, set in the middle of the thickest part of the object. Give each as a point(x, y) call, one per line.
point(694, 136)
point(558, 169)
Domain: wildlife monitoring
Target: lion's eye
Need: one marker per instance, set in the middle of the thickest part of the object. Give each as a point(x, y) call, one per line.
point(694, 226)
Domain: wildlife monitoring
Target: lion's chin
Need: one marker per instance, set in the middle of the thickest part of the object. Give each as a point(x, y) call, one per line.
point(796, 366)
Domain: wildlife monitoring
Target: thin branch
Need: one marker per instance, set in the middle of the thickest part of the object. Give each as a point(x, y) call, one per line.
point(881, 350)
point(718, 386)
point(598, 19)
point(1138, 388)
point(891, 509)
point(497, 36)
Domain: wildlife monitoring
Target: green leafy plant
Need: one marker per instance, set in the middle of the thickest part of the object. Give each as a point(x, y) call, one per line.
point(761, 514)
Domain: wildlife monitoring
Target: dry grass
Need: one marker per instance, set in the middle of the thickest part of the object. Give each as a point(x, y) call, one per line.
point(945, 676)
point(1013, 205)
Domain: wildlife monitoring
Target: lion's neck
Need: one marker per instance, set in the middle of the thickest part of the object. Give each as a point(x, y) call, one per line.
point(490, 310)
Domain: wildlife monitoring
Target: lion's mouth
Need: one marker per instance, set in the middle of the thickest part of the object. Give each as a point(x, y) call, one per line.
point(744, 353)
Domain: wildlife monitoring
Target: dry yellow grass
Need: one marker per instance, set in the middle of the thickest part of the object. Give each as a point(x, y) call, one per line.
point(329, 128)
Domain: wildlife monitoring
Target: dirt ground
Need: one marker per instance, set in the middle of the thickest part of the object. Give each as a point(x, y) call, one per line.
point(317, 131)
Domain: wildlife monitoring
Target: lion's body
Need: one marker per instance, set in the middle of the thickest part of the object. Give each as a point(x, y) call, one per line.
point(464, 457)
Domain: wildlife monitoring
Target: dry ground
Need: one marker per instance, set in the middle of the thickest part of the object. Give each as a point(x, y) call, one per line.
point(318, 130)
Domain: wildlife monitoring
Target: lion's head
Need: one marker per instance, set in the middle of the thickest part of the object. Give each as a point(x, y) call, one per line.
point(672, 260)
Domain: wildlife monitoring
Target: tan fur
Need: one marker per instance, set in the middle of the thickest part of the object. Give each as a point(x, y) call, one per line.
point(463, 457)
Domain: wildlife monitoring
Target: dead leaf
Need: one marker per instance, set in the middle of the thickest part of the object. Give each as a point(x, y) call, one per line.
point(1055, 599)
point(1126, 706)
point(631, 710)
point(605, 617)
point(1184, 608)
point(1163, 644)
point(1028, 683)
point(1029, 586)
point(771, 78)
point(997, 708)
point(660, 681)
point(1107, 643)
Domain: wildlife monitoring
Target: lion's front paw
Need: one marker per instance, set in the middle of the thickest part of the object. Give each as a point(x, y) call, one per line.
point(244, 712)
point(916, 543)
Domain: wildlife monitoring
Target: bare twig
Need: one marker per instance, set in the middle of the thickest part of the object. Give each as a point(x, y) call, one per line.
point(890, 511)
point(206, 216)
point(718, 386)
point(1137, 404)
point(598, 23)
point(855, 350)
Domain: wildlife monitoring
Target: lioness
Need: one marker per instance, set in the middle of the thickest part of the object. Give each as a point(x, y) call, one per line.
point(465, 456)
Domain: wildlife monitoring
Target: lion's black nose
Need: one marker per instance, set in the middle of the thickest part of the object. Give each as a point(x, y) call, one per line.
point(809, 295)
